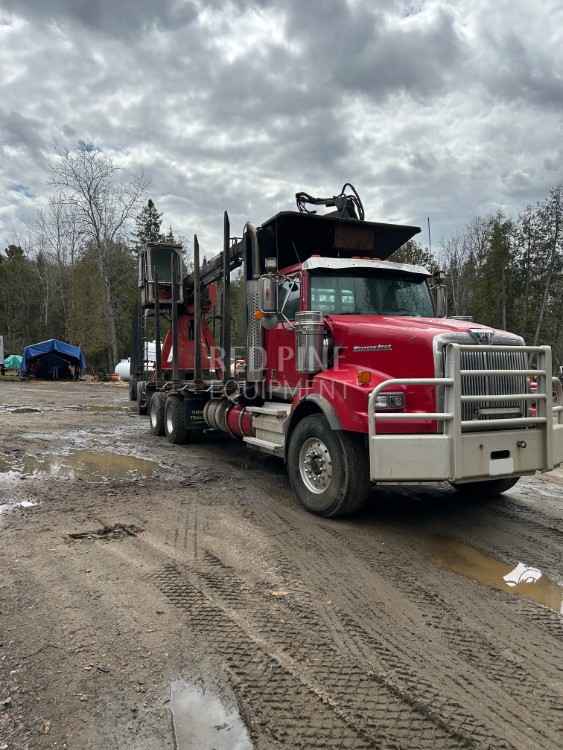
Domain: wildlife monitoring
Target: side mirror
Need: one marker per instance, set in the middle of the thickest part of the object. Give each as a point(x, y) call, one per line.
point(440, 293)
point(268, 295)
point(441, 300)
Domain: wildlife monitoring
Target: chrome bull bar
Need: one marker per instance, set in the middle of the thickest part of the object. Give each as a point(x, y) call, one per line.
point(470, 449)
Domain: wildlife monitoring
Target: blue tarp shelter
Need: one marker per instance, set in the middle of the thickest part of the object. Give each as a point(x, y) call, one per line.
point(53, 360)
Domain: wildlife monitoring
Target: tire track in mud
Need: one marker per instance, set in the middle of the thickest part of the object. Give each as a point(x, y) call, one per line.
point(413, 696)
point(473, 646)
point(302, 548)
point(377, 710)
point(467, 643)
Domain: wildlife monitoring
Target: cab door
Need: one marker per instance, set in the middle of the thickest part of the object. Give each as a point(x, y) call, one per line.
point(279, 341)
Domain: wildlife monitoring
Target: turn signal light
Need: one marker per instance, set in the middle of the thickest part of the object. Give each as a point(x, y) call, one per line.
point(259, 315)
point(364, 377)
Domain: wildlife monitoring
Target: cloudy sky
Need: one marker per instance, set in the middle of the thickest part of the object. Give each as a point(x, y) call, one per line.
point(432, 108)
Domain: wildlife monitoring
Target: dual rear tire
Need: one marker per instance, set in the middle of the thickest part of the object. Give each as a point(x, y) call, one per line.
point(156, 413)
point(167, 417)
point(175, 427)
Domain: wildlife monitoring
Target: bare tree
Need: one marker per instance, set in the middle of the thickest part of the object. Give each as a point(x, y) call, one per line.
point(103, 206)
point(59, 236)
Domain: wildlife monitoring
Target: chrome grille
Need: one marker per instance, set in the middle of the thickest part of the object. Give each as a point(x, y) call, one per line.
point(481, 385)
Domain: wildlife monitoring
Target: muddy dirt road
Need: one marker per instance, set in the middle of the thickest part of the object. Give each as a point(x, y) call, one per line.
point(128, 565)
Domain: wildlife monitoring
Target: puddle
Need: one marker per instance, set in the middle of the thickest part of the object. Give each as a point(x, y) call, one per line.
point(90, 466)
point(201, 720)
point(521, 580)
point(19, 409)
point(12, 505)
point(102, 408)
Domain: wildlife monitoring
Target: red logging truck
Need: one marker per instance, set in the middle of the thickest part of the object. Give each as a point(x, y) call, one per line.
point(353, 373)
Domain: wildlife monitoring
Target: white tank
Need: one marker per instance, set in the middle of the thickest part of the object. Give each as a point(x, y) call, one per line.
point(123, 369)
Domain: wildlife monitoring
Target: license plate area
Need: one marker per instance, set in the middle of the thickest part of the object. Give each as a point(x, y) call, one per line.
point(501, 462)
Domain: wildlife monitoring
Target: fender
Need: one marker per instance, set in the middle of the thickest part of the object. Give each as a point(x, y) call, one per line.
point(311, 404)
point(325, 407)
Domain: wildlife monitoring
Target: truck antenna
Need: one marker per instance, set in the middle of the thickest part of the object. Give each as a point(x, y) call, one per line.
point(429, 234)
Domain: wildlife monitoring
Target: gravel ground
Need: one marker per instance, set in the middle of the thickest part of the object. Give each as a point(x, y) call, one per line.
point(128, 565)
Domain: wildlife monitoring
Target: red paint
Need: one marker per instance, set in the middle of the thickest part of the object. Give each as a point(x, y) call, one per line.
point(209, 350)
point(239, 421)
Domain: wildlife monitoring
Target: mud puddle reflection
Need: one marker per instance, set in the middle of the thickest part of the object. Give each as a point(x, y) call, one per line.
point(521, 580)
point(90, 466)
point(201, 720)
point(11, 505)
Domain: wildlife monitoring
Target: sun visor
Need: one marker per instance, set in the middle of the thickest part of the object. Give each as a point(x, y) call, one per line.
point(293, 237)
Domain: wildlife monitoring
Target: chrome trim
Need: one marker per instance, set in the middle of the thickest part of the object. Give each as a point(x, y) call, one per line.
point(477, 384)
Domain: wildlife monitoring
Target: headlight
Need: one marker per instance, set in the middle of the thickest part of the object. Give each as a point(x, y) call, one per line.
point(390, 402)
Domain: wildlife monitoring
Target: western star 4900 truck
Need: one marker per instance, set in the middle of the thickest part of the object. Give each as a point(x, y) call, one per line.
point(351, 373)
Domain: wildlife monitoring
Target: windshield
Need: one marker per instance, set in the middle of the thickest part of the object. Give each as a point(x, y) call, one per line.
point(371, 294)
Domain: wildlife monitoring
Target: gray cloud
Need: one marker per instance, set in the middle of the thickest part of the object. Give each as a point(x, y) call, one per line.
point(437, 108)
point(122, 17)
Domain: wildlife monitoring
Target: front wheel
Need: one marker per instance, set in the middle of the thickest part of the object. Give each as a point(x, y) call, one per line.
point(328, 469)
point(487, 488)
point(175, 421)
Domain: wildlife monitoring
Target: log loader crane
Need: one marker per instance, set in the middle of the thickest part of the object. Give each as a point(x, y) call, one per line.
point(353, 376)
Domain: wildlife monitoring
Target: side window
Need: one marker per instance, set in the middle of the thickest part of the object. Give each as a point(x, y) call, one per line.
point(289, 294)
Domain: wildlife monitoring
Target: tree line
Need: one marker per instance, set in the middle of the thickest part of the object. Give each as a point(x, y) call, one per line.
point(75, 276)
point(508, 272)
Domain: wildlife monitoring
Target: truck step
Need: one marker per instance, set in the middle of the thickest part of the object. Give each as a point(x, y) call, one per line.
point(274, 449)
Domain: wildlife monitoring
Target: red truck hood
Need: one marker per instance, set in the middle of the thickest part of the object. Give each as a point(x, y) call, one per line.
point(399, 346)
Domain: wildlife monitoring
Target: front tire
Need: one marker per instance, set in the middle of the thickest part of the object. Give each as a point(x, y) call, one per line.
point(328, 469)
point(156, 413)
point(487, 488)
point(175, 421)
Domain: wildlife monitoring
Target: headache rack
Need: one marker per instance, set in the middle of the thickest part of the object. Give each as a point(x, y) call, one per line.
point(469, 447)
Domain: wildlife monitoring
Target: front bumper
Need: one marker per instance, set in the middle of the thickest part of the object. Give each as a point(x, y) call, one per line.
point(517, 446)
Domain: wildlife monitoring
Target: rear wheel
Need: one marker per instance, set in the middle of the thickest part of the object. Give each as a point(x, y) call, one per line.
point(487, 488)
point(156, 413)
point(328, 469)
point(132, 389)
point(142, 405)
point(175, 421)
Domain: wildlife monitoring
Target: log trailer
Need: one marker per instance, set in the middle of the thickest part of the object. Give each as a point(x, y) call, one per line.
point(353, 374)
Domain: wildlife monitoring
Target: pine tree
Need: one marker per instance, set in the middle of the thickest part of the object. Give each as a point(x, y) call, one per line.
point(148, 225)
point(170, 236)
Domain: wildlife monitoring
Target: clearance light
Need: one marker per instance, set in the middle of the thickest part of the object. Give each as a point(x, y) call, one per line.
point(390, 402)
point(364, 377)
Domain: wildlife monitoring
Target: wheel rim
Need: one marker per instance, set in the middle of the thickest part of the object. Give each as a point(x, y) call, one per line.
point(315, 465)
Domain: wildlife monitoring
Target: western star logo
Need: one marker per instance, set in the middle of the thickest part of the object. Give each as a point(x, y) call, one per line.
point(482, 335)
point(373, 348)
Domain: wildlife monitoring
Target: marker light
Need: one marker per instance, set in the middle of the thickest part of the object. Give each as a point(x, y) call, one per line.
point(364, 377)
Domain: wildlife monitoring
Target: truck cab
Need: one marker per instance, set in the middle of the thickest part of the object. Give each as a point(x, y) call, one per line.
point(394, 391)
